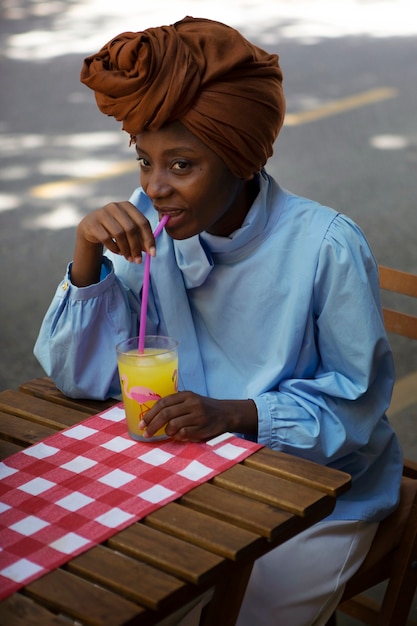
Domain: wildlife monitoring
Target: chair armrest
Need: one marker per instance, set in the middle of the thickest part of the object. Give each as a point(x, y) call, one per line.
point(410, 468)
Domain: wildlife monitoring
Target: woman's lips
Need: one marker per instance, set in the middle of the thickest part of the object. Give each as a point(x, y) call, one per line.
point(175, 216)
point(171, 213)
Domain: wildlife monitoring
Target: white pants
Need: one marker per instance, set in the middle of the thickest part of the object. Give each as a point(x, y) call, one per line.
point(301, 582)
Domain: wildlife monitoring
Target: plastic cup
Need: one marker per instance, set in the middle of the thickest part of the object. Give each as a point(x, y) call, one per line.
point(145, 378)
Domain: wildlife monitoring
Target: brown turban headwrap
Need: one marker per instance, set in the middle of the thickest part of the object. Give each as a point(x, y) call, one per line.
point(225, 90)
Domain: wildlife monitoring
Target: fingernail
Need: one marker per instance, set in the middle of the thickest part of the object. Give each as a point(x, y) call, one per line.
point(152, 251)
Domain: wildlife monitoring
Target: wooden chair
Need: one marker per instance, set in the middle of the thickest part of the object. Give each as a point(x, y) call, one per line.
point(393, 554)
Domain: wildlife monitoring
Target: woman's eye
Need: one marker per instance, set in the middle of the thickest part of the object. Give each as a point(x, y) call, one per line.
point(180, 165)
point(142, 162)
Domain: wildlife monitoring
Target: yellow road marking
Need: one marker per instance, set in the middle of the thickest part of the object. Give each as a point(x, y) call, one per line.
point(340, 106)
point(62, 187)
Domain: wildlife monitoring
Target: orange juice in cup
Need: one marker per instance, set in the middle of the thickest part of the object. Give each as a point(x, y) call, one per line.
point(146, 377)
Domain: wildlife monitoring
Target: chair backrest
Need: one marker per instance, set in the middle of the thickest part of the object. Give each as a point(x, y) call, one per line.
point(403, 283)
point(405, 324)
point(398, 565)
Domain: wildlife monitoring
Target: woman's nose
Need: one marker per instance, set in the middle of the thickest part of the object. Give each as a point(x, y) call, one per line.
point(156, 185)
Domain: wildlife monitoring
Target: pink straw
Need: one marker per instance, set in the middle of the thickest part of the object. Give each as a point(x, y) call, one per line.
point(145, 288)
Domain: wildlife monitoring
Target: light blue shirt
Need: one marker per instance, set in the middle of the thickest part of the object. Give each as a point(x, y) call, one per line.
point(285, 311)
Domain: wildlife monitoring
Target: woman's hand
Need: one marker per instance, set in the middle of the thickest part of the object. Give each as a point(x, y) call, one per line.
point(121, 228)
point(118, 226)
point(188, 416)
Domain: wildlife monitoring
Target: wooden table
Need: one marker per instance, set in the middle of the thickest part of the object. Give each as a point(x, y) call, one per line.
point(207, 539)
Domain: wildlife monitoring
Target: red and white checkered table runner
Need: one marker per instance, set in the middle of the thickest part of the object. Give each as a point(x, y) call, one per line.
point(82, 485)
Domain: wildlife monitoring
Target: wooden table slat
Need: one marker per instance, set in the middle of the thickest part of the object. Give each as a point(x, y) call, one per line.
point(18, 610)
point(204, 531)
point(39, 411)
point(273, 490)
point(259, 518)
point(44, 388)
point(313, 475)
point(7, 448)
point(80, 599)
point(22, 432)
point(148, 544)
point(122, 574)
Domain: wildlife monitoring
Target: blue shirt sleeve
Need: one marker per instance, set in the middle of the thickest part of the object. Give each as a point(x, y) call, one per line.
point(77, 339)
point(335, 411)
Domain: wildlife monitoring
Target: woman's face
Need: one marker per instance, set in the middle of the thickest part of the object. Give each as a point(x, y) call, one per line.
point(185, 179)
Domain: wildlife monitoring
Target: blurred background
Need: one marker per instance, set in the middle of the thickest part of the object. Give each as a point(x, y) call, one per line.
point(349, 140)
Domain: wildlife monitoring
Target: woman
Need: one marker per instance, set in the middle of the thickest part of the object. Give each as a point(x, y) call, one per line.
point(273, 298)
